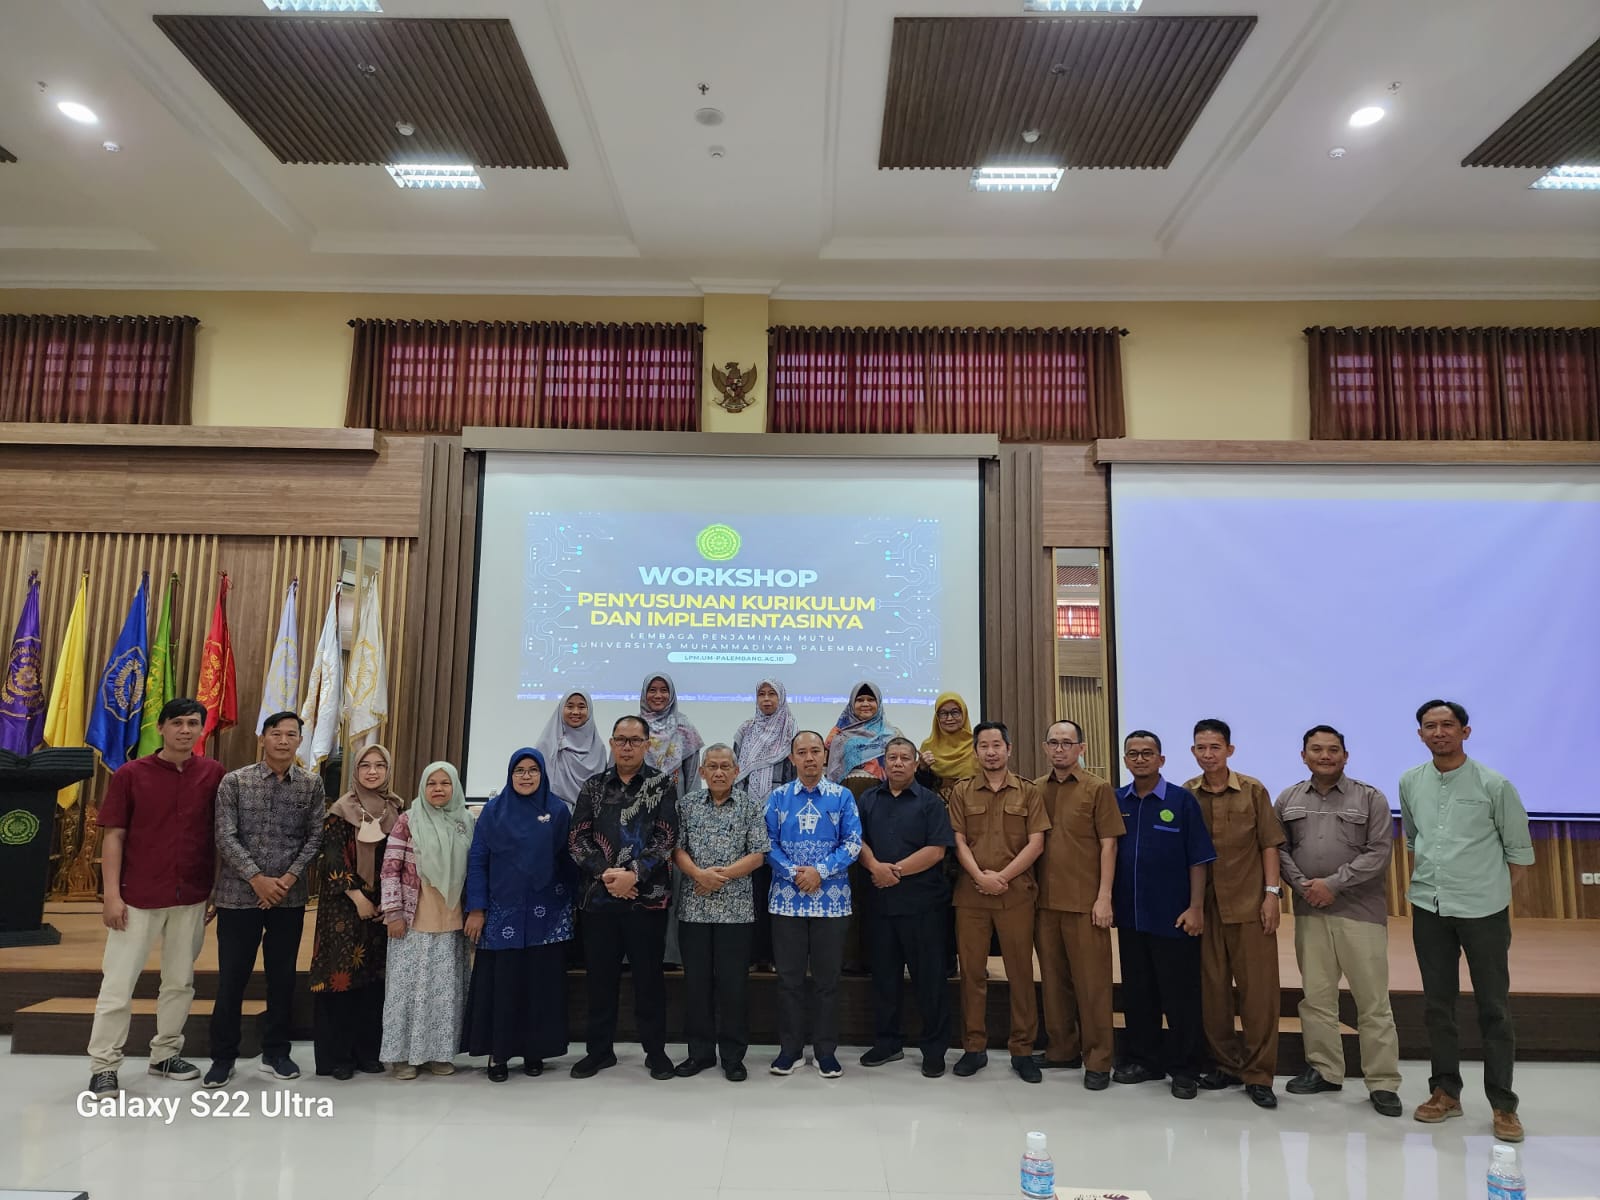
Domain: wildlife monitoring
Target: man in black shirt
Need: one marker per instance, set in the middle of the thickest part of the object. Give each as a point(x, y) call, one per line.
point(905, 832)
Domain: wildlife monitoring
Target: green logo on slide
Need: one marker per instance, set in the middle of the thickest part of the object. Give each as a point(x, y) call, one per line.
point(717, 543)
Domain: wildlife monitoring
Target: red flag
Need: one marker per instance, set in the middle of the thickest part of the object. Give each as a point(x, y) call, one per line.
point(219, 689)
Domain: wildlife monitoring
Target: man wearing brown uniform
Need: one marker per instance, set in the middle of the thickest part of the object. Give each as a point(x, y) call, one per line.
point(1073, 925)
point(999, 823)
point(1240, 943)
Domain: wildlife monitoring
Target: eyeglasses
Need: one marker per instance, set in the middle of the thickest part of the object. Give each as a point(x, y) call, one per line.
point(949, 713)
point(629, 741)
point(371, 766)
point(1061, 744)
point(1140, 755)
point(531, 773)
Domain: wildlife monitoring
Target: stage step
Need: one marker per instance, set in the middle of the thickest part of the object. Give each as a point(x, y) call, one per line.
point(61, 1025)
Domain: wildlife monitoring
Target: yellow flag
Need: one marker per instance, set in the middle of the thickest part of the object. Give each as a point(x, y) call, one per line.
point(66, 716)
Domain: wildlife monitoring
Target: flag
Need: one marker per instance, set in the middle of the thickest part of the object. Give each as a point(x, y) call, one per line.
point(320, 712)
point(366, 685)
point(64, 718)
point(219, 688)
point(119, 701)
point(159, 686)
point(22, 689)
point(281, 691)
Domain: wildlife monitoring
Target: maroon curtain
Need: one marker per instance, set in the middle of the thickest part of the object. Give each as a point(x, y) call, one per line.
point(436, 376)
point(1027, 385)
point(1388, 384)
point(90, 370)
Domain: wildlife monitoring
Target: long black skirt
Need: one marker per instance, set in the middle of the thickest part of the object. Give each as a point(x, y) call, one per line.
point(348, 1027)
point(517, 1004)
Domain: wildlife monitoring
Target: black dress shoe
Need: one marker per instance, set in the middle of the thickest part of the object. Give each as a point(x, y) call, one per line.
point(1064, 1064)
point(660, 1066)
point(1310, 1081)
point(1024, 1066)
point(1136, 1073)
point(1386, 1103)
point(1184, 1088)
point(1216, 1081)
point(592, 1064)
point(932, 1067)
point(1097, 1081)
point(1261, 1095)
point(499, 1072)
point(972, 1062)
point(735, 1072)
point(370, 1066)
point(690, 1067)
point(533, 1066)
point(878, 1056)
point(343, 1071)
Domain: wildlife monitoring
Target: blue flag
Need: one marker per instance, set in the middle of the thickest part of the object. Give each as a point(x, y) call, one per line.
point(119, 700)
point(22, 689)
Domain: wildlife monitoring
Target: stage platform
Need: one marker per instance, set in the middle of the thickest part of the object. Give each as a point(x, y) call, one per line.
point(47, 995)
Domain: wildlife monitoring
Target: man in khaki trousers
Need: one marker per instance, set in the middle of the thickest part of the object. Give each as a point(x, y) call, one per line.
point(159, 861)
point(1338, 834)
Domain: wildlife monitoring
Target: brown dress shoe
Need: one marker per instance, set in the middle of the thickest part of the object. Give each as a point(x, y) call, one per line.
point(1507, 1126)
point(1440, 1106)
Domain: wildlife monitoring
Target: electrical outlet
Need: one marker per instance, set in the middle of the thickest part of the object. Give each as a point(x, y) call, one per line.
point(1590, 878)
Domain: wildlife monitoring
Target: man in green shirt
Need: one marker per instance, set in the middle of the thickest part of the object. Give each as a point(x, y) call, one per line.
point(1468, 831)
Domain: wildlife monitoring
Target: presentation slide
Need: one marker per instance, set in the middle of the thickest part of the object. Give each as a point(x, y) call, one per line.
point(1278, 598)
point(595, 571)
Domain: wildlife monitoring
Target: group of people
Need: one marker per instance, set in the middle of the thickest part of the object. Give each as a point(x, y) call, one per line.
point(438, 932)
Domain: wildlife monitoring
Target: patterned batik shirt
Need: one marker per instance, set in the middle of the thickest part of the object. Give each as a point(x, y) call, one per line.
point(633, 825)
point(716, 835)
point(266, 826)
point(812, 827)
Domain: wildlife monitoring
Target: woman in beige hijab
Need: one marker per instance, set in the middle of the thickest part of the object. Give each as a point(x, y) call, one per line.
point(347, 958)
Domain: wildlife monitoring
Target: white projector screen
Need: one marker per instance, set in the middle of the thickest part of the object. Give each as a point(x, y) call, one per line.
point(595, 570)
point(1278, 598)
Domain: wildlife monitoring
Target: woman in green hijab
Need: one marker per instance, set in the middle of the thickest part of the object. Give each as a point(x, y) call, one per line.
point(424, 873)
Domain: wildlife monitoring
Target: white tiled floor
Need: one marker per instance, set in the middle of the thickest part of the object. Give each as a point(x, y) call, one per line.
point(869, 1136)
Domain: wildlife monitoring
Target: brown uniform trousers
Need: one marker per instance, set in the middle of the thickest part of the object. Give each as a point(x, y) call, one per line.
point(1075, 966)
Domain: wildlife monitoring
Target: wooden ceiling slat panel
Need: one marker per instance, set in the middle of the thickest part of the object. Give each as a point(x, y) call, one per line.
point(1560, 126)
point(962, 89)
point(6, 155)
point(299, 84)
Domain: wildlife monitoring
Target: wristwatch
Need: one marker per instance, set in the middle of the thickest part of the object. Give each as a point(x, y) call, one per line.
point(1275, 890)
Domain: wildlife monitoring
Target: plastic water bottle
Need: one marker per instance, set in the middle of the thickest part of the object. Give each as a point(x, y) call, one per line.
point(1039, 1171)
point(1506, 1181)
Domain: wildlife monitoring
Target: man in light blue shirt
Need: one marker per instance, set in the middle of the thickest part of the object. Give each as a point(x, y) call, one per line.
point(1468, 831)
point(815, 832)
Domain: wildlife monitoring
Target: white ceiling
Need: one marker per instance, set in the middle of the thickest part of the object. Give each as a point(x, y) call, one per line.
point(1251, 206)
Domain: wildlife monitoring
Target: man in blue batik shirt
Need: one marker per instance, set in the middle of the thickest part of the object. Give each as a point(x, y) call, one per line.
point(815, 832)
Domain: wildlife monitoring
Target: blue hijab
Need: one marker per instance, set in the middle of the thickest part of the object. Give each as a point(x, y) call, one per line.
point(530, 830)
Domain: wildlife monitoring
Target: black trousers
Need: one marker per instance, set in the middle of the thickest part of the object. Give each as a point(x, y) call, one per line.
point(761, 936)
point(819, 943)
point(641, 935)
point(1486, 941)
point(348, 1027)
point(241, 932)
point(915, 942)
point(716, 977)
point(1161, 976)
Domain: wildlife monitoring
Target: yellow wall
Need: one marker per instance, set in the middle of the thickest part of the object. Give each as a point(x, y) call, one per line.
point(1190, 369)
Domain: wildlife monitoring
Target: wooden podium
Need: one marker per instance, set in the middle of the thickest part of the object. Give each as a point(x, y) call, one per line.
point(28, 787)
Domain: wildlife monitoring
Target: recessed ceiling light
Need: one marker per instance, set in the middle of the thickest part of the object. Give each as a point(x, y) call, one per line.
point(708, 116)
point(1336, 152)
point(404, 128)
point(80, 113)
point(433, 175)
point(1569, 179)
point(1015, 179)
point(1082, 6)
point(110, 147)
point(333, 6)
point(1369, 115)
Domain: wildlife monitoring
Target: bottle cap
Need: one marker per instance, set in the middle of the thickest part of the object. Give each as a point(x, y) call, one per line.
point(1036, 1141)
point(1500, 1153)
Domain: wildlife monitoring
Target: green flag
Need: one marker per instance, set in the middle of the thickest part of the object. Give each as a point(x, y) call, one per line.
point(158, 688)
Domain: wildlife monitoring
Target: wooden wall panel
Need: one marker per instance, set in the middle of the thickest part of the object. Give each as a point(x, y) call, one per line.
point(1077, 498)
point(1085, 700)
point(1019, 605)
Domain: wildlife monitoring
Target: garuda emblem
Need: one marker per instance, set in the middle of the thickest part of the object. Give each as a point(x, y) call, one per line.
point(734, 386)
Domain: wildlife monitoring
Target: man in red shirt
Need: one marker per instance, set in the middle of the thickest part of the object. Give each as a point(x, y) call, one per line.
point(159, 862)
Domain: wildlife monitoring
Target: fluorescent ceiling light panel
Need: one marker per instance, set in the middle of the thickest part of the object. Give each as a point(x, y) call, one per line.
point(323, 6)
point(1082, 6)
point(433, 175)
point(80, 113)
point(1370, 115)
point(1015, 179)
point(1569, 179)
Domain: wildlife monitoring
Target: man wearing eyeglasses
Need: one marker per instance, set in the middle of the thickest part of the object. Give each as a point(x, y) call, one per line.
point(1158, 899)
point(1073, 923)
point(624, 828)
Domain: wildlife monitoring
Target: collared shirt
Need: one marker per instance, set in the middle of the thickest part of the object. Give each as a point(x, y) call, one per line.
point(1242, 824)
point(1082, 809)
point(997, 826)
point(716, 835)
point(1166, 836)
point(1344, 838)
point(633, 825)
point(896, 827)
point(167, 814)
point(267, 825)
point(1463, 826)
point(812, 827)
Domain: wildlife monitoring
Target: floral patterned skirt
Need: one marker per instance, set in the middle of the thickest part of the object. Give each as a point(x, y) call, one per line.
point(425, 997)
